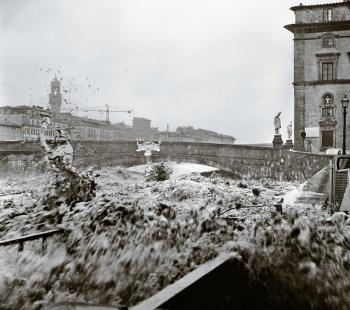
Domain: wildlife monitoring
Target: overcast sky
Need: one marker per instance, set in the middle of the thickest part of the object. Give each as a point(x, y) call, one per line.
point(225, 65)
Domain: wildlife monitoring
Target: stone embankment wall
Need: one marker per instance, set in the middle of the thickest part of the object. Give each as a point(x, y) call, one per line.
point(302, 165)
point(17, 157)
point(241, 161)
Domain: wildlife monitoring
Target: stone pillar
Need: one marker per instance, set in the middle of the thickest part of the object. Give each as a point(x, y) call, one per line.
point(277, 142)
point(288, 145)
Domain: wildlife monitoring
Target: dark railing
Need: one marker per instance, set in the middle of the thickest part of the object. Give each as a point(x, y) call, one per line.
point(20, 241)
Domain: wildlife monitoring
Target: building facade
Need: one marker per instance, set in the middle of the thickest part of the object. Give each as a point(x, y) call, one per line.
point(143, 128)
point(190, 134)
point(10, 131)
point(27, 121)
point(24, 123)
point(321, 74)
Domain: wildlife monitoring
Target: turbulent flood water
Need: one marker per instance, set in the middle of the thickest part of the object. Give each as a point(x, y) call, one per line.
point(138, 235)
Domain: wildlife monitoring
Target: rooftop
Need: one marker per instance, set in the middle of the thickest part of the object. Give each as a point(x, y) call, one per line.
point(302, 6)
point(22, 107)
point(141, 118)
point(5, 123)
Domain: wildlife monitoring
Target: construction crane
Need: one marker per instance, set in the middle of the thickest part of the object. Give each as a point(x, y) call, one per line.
point(99, 109)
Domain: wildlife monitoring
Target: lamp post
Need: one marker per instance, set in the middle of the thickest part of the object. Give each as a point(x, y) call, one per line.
point(344, 103)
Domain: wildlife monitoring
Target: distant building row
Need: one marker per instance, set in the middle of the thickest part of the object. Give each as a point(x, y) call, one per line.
point(23, 123)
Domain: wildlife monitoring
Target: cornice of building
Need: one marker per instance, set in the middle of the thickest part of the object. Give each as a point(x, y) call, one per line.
point(5, 123)
point(302, 6)
point(344, 81)
point(228, 136)
point(318, 27)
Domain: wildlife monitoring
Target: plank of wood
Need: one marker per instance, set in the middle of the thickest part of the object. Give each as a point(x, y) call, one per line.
point(31, 237)
point(155, 301)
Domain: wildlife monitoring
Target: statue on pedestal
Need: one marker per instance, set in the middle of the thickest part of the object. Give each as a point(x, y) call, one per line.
point(290, 130)
point(277, 123)
point(289, 143)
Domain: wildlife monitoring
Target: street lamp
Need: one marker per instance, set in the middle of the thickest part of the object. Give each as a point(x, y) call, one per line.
point(344, 103)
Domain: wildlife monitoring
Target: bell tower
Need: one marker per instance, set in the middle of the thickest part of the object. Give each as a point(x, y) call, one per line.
point(55, 97)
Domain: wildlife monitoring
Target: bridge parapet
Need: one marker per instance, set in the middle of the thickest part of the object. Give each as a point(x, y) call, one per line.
point(242, 161)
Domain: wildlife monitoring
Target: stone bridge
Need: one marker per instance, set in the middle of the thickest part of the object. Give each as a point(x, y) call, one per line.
point(240, 161)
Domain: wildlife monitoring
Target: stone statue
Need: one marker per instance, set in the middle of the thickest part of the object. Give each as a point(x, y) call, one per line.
point(277, 123)
point(290, 130)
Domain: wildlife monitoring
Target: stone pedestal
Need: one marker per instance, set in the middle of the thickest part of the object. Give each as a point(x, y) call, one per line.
point(288, 145)
point(277, 142)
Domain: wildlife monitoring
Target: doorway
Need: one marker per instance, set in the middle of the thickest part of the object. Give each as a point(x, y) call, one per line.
point(327, 138)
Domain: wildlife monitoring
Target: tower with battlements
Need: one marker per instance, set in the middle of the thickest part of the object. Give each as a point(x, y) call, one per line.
point(55, 97)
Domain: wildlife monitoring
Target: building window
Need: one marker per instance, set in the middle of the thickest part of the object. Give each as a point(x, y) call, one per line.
point(327, 71)
point(327, 15)
point(327, 111)
point(327, 66)
point(328, 42)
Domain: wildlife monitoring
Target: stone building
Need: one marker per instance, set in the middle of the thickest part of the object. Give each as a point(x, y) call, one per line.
point(27, 121)
point(10, 131)
point(143, 127)
point(24, 123)
point(189, 134)
point(321, 74)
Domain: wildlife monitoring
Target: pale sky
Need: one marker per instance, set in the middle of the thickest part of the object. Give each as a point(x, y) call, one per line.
point(225, 66)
